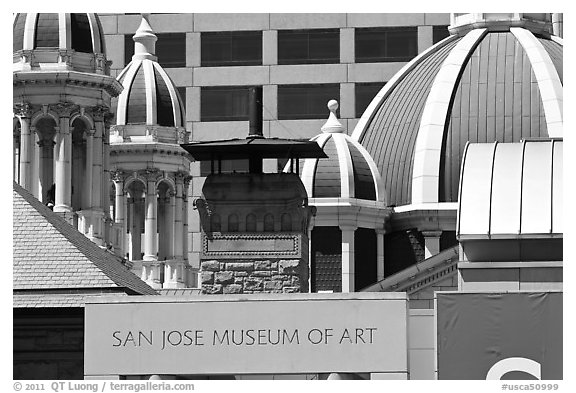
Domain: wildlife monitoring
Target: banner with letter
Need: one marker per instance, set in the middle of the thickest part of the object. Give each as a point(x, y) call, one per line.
point(499, 335)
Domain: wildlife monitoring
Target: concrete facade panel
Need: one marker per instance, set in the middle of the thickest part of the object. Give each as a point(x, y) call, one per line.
point(269, 47)
point(347, 47)
point(115, 51)
point(228, 22)
point(231, 76)
point(347, 100)
point(371, 20)
point(167, 23)
point(306, 21)
point(424, 38)
point(308, 73)
point(127, 24)
point(109, 24)
point(180, 76)
point(372, 72)
point(193, 50)
point(421, 364)
point(437, 19)
point(207, 131)
point(295, 128)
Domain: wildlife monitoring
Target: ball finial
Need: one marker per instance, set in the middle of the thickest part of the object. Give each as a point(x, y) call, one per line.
point(332, 105)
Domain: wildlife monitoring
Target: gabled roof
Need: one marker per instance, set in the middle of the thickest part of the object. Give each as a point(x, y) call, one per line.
point(52, 256)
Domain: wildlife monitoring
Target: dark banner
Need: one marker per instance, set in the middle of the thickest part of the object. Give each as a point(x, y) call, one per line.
point(499, 335)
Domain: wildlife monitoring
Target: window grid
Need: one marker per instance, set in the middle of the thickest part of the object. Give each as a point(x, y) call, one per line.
point(306, 101)
point(230, 48)
point(386, 44)
point(314, 46)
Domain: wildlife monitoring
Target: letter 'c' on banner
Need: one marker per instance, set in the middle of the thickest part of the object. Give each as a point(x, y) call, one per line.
point(514, 364)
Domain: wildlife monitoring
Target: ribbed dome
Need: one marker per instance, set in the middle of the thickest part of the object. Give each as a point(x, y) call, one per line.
point(79, 32)
point(495, 83)
point(149, 96)
point(348, 172)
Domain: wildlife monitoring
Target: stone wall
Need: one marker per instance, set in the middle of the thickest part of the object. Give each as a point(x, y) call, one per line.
point(254, 276)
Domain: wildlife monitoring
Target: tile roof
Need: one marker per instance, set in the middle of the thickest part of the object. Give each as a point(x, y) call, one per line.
point(51, 254)
point(49, 300)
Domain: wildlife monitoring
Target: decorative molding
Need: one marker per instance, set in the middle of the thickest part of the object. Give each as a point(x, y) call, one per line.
point(23, 109)
point(64, 109)
point(251, 245)
point(118, 175)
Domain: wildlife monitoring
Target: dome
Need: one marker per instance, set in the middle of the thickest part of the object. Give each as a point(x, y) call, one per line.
point(348, 172)
point(149, 96)
point(79, 32)
point(497, 78)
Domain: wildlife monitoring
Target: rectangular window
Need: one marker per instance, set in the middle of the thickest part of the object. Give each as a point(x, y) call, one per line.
point(439, 33)
point(388, 44)
point(231, 48)
point(224, 103)
point(306, 101)
point(318, 46)
point(170, 49)
point(365, 92)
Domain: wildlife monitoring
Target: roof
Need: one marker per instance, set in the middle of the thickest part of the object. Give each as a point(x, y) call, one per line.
point(80, 32)
point(349, 171)
point(49, 254)
point(149, 96)
point(485, 85)
point(511, 190)
point(235, 149)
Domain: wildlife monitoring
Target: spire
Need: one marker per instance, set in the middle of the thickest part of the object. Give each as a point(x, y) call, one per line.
point(332, 124)
point(145, 41)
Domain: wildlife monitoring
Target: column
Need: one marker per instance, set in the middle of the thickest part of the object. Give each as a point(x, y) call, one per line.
point(24, 112)
point(63, 156)
point(150, 223)
point(105, 167)
point(88, 190)
point(98, 113)
point(120, 207)
point(347, 257)
point(431, 243)
point(36, 188)
point(178, 218)
point(380, 253)
point(187, 180)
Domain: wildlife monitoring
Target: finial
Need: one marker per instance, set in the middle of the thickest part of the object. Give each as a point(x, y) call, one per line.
point(332, 124)
point(145, 40)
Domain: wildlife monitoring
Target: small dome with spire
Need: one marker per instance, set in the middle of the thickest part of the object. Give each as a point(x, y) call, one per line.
point(149, 96)
point(348, 172)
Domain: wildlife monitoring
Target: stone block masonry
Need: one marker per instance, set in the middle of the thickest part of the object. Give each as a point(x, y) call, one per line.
point(254, 276)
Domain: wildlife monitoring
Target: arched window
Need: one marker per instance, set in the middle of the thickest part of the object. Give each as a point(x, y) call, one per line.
point(286, 222)
point(232, 223)
point(250, 223)
point(268, 223)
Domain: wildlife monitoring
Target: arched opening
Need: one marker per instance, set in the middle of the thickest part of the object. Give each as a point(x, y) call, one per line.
point(165, 221)
point(233, 223)
point(268, 223)
point(250, 223)
point(79, 178)
point(112, 200)
point(135, 217)
point(45, 131)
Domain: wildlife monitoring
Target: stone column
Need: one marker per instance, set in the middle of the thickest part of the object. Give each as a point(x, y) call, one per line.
point(120, 206)
point(63, 156)
point(187, 180)
point(380, 254)
point(98, 114)
point(106, 164)
point(431, 243)
point(88, 190)
point(150, 223)
point(348, 258)
point(178, 218)
point(36, 185)
point(24, 112)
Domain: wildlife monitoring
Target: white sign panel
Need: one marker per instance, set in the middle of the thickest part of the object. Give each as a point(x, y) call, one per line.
point(247, 334)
